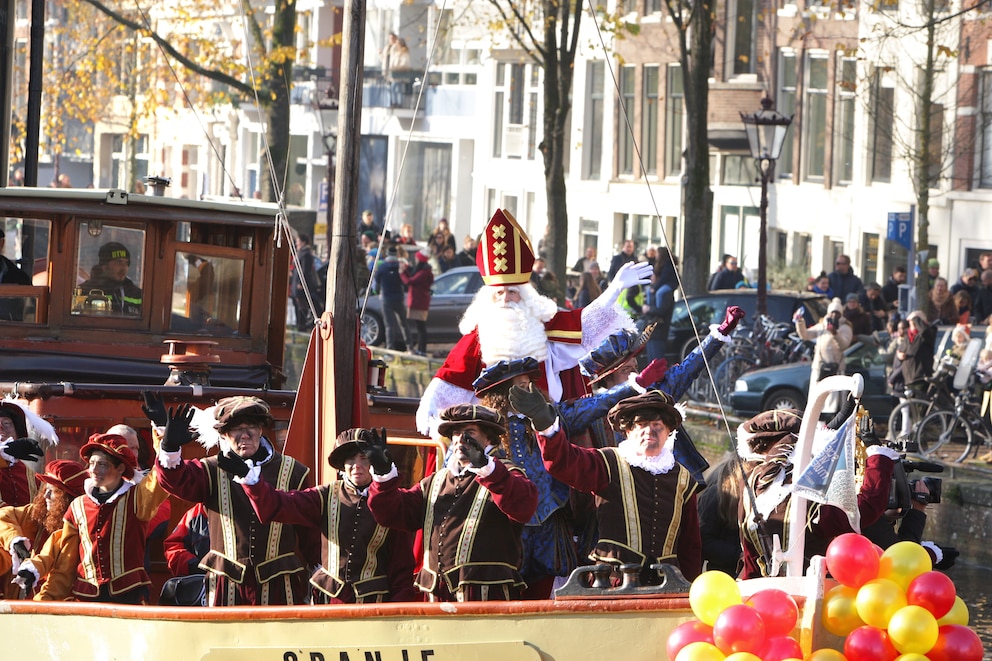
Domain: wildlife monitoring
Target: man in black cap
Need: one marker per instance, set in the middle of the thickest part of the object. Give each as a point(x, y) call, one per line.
point(110, 277)
point(361, 561)
point(645, 500)
point(472, 511)
point(250, 562)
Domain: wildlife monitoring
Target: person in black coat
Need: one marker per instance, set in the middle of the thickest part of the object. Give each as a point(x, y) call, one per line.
point(10, 274)
point(626, 254)
point(728, 276)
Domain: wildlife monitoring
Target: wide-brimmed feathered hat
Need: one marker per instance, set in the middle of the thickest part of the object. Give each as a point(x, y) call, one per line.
point(116, 446)
point(613, 352)
point(16, 414)
point(503, 371)
point(463, 414)
point(652, 405)
point(66, 475)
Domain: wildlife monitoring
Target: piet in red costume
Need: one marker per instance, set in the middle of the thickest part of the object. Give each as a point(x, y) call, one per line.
point(509, 320)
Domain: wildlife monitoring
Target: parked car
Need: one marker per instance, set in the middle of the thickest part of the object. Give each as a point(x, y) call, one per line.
point(786, 386)
point(710, 308)
point(453, 290)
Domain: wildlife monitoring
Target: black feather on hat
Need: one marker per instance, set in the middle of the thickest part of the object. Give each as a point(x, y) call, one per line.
point(613, 352)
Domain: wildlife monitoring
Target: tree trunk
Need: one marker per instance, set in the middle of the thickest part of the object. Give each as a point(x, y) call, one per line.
point(922, 155)
point(277, 111)
point(698, 203)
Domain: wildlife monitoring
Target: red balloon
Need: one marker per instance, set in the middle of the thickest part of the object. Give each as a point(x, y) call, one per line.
point(739, 628)
point(852, 560)
point(692, 631)
point(780, 648)
point(933, 591)
point(956, 643)
point(869, 644)
point(778, 611)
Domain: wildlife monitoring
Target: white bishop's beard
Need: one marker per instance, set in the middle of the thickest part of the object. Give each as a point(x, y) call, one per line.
point(512, 332)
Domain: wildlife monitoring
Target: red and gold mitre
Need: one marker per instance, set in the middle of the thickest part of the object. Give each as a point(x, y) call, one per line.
point(505, 256)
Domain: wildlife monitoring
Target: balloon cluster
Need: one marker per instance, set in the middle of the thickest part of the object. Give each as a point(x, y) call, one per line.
point(889, 606)
point(729, 627)
point(892, 605)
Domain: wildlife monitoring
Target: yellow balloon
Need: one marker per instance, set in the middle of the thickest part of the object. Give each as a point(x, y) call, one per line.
point(912, 657)
point(904, 561)
point(825, 654)
point(913, 630)
point(743, 656)
point(878, 600)
point(699, 651)
point(957, 615)
point(840, 614)
point(711, 593)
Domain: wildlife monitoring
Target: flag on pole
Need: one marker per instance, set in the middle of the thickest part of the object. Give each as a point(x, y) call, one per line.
point(830, 476)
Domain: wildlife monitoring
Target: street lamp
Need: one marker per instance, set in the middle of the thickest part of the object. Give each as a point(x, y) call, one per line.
point(765, 131)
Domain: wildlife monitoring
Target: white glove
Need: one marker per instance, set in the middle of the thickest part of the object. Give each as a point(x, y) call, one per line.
point(633, 273)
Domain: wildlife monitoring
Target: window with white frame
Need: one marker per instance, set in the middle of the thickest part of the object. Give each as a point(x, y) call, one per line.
point(674, 113)
point(882, 118)
point(786, 104)
point(122, 149)
point(649, 119)
point(815, 116)
point(741, 25)
point(625, 121)
point(844, 122)
point(511, 96)
point(592, 140)
point(984, 129)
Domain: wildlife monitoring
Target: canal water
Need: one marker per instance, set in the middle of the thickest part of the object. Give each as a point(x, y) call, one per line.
point(974, 586)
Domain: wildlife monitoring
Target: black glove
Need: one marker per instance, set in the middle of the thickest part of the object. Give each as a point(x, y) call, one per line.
point(950, 555)
point(25, 449)
point(845, 412)
point(177, 431)
point(154, 408)
point(27, 577)
point(377, 452)
point(472, 450)
point(866, 431)
point(20, 549)
point(232, 463)
point(529, 402)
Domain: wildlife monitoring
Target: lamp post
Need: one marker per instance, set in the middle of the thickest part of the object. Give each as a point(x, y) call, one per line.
point(765, 131)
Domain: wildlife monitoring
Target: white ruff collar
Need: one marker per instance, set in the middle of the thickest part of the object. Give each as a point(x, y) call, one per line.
point(657, 465)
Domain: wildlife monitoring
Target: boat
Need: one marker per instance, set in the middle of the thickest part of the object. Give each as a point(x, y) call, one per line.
point(82, 363)
point(207, 321)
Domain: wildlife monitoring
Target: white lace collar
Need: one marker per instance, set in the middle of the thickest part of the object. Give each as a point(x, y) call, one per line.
point(657, 465)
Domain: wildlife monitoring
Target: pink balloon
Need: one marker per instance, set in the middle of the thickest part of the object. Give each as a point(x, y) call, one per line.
point(739, 628)
point(956, 643)
point(780, 648)
point(778, 611)
point(852, 560)
point(869, 644)
point(693, 631)
point(933, 591)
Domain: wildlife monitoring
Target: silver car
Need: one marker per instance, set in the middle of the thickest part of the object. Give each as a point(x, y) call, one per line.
point(452, 292)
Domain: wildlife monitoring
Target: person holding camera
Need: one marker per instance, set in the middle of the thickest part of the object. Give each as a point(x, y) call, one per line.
point(911, 520)
point(833, 335)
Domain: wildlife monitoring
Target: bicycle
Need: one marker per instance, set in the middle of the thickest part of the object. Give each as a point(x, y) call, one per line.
point(962, 425)
point(910, 412)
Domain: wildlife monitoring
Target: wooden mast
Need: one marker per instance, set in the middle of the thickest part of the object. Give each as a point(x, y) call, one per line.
point(341, 283)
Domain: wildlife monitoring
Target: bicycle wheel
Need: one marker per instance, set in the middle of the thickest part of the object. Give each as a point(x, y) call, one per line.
point(905, 417)
point(728, 373)
point(944, 429)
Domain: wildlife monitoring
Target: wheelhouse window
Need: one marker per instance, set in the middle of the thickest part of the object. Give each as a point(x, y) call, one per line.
point(207, 293)
point(24, 270)
point(109, 271)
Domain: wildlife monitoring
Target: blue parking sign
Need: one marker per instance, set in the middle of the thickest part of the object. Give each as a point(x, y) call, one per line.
point(900, 229)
